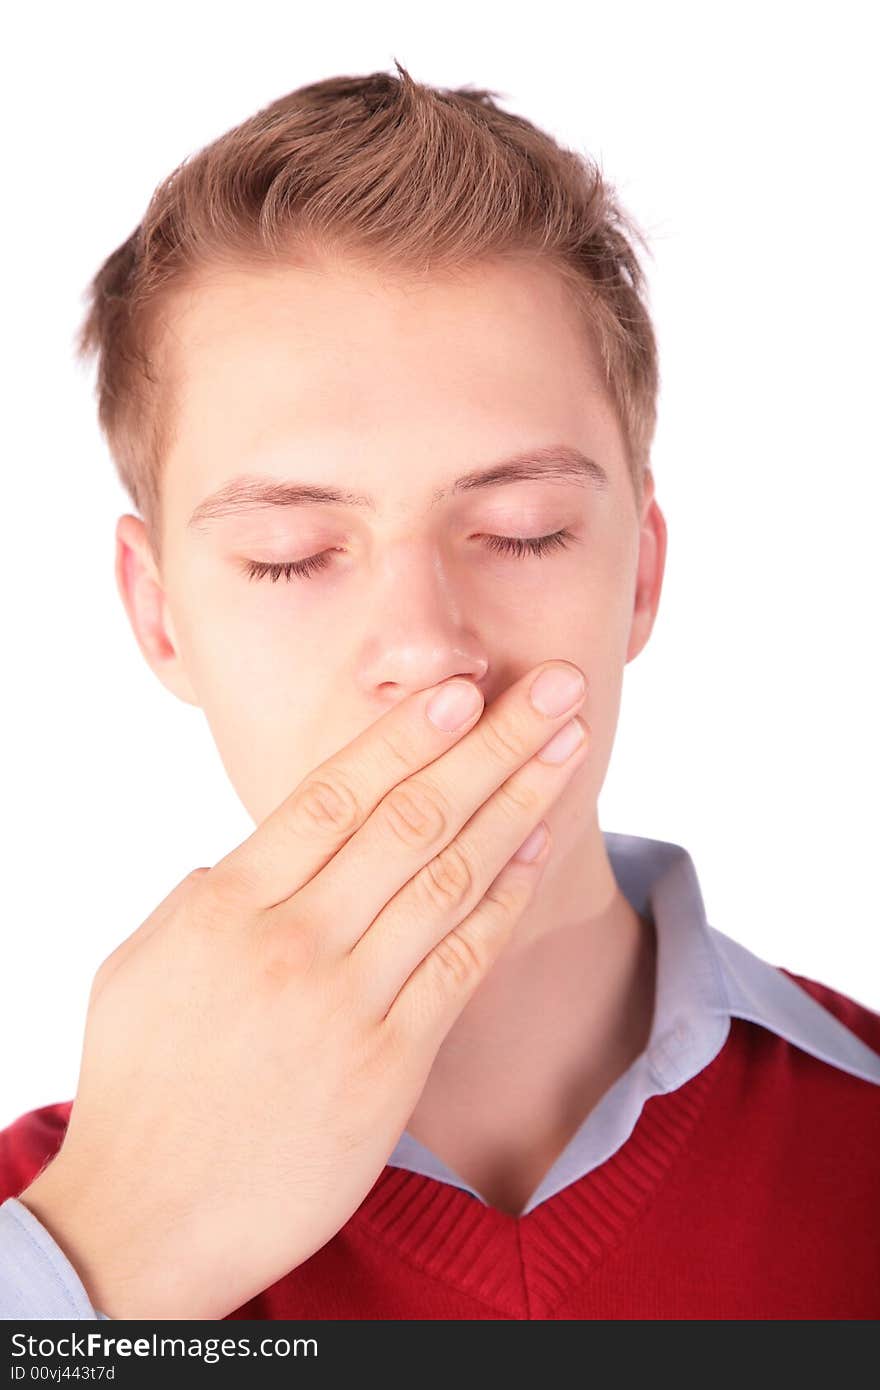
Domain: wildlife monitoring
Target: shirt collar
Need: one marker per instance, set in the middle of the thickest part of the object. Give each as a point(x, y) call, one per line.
point(705, 976)
point(703, 979)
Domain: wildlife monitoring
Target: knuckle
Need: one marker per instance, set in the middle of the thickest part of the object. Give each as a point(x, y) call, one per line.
point(184, 892)
point(517, 799)
point(416, 812)
point(288, 951)
point(327, 804)
point(219, 893)
point(447, 881)
point(192, 886)
point(392, 753)
point(506, 899)
point(102, 974)
point(504, 741)
point(460, 958)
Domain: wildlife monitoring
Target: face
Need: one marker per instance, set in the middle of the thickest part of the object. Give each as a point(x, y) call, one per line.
point(339, 379)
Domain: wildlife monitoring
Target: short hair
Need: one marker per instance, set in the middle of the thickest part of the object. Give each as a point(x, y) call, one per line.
point(389, 174)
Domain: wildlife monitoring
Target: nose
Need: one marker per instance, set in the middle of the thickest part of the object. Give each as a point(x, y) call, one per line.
point(419, 631)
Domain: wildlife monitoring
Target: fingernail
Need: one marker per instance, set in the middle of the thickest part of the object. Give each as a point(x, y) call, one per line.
point(531, 848)
point(563, 743)
point(453, 705)
point(556, 690)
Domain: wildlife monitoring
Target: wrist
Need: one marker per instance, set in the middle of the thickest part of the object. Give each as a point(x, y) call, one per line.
point(121, 1264)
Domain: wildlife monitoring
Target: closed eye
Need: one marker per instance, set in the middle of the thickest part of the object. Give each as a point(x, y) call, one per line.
point(518, 546)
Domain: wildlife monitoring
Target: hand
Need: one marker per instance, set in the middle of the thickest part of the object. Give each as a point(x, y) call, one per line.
point(254, 1050)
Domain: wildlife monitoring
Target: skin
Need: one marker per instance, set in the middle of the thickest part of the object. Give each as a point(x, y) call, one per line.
point(328, 374)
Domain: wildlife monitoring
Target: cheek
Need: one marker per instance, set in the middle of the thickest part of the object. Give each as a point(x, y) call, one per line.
point(270, 733)
point(234, 641)
point(261, 690)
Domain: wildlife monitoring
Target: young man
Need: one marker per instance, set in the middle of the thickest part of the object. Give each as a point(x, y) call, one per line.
point(377, 370)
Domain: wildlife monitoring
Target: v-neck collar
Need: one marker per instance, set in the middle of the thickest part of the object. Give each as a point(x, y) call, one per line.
point(524, 1265)
point(704, 979)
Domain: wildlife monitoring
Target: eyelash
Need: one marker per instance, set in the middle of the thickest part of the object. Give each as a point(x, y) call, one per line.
point(518, 546)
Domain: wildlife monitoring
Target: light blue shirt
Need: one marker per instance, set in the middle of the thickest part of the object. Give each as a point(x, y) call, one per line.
point(704, 979)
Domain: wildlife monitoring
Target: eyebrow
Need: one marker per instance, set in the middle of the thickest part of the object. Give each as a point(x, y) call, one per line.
point(249, 492)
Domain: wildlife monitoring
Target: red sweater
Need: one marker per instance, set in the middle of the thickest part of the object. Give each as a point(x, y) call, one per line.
point(752, 1191)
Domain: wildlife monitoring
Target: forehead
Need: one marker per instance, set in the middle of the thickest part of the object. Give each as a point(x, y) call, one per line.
point(495, 320)
point(296, 357)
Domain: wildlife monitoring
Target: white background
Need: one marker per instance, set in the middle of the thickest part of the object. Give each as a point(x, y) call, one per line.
point(743, 139)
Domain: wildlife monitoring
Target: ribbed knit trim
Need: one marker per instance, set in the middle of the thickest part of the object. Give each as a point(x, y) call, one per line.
point(526, 1265)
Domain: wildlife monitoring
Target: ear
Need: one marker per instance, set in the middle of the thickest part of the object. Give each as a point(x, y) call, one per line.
point(651, 565)
point(143, 596)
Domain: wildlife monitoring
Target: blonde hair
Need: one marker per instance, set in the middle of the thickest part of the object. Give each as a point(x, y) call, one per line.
point(398, 176)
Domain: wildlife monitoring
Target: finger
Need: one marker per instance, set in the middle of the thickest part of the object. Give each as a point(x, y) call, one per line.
point(422, 815)
point(432, 997)
point(449, 887)
point(307, 828)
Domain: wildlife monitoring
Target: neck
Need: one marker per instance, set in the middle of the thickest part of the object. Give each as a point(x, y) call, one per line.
point(563, 1012)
